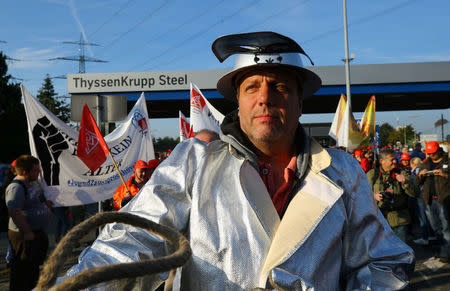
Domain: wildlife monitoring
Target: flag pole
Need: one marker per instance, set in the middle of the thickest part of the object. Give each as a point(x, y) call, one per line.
point(117, 169)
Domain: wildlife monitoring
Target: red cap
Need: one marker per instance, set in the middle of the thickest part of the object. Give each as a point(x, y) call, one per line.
point(13, 164)
point(358, 153)
point(152, 164)
point(431, 147)
point(140, 165)
point(405, 157)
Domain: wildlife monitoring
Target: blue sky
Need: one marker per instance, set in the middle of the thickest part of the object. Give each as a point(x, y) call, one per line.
point(163, 35)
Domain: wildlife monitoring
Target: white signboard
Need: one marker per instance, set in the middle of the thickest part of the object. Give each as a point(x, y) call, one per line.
point(142, 81)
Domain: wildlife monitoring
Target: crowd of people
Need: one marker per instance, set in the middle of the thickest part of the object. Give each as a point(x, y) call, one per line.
point(263, 205)
point(412, 188)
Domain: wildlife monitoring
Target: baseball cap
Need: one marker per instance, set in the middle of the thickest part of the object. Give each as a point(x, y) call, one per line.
point(262, 49)
point(140, 165)
point(405, 157)
point(431, 147)
point(152, 164)
point(358, 153)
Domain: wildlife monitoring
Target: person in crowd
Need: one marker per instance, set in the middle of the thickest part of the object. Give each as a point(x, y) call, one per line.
point(417, 151)
point(435, 181)
point(141, 174)
point(62, 221)
point(391, 188)
point(363, 161)
point(265, 206)
point(29, 216)
point(207, 135)
point(10, 174)
point(404, 162)
point(426, 233)
point(152, 164)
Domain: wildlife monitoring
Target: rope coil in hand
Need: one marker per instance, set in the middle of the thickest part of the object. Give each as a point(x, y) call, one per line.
point(106, 273)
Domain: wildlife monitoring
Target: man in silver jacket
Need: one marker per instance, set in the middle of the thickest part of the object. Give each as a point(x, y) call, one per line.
point(265, 206)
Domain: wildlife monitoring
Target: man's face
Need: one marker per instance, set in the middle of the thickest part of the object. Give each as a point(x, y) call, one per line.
point(33, 175)
point(269, 106)
point(141, 175)
point(388, 163)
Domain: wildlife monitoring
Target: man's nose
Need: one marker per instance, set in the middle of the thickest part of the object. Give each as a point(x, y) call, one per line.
point(265, 94)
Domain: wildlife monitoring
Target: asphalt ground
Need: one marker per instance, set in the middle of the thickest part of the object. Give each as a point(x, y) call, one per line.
point(429, 274)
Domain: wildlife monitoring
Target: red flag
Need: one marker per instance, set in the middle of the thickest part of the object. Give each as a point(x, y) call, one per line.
point(92, 148)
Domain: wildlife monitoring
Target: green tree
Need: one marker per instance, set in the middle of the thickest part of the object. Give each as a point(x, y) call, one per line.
point(48, 97)
point(13, 123)
point(385, 131)
point(402, 134)
point(164, 144)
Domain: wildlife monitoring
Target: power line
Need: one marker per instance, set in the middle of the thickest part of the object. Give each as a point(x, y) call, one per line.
point(81, 58)
point(171, 31)
point(111, 18)
point(192, 37)
point(244, 30)
point(144, 19)
point(361, 20)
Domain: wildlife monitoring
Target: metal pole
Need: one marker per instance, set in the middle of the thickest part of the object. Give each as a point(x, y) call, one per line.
point(347, 60)
point(99, 123)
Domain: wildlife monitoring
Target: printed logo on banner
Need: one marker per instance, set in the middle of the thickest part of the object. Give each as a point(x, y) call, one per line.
point(91, 141)
point(140, 122)
point(49, 145)
point(197, 100)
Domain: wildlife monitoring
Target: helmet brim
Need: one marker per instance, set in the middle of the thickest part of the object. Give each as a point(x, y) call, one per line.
point(311, 81)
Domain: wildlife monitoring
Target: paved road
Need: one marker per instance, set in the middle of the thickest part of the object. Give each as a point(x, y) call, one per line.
point(429, 273)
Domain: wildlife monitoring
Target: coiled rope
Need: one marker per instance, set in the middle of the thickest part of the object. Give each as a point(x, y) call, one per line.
point(106, 273)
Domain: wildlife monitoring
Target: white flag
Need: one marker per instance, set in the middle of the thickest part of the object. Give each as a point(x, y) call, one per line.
point(186, 130)
point(69, 181)
point(203, 114)
point(348, 135)
point(338, 116)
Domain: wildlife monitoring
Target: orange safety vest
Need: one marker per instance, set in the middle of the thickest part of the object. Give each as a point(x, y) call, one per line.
point(121, 192)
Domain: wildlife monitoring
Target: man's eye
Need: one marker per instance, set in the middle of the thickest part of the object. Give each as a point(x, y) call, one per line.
point(281, 87)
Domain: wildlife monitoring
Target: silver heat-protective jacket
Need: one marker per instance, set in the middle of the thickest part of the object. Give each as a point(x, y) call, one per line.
point(331, 237)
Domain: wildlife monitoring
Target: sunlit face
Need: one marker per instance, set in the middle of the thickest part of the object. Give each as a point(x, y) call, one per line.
point(404, 163)
point(141, 175)
point(269, 106)
point(388, 163)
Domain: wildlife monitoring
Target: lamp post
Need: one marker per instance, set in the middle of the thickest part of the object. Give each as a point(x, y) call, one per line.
point(347, 60)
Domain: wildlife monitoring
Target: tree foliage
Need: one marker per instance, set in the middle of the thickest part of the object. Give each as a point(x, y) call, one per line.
point(48, 97)
point(164, 144)
point(385, 131)
point(389, 135)
point(13, 124)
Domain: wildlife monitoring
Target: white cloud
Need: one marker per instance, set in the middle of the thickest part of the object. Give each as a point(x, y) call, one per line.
point(33, 58)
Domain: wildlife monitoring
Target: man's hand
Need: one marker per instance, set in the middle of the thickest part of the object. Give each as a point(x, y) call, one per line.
point(423, 173)
point(400, 178)
point(439, 172)
point(378, 196)
point(28, 235)
point(49, 203)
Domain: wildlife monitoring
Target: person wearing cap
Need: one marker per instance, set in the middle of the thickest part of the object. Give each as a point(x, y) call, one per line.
point(404, 161)
point(435, 182)
point(363, 161)
point(265, 206)
point(140, 176)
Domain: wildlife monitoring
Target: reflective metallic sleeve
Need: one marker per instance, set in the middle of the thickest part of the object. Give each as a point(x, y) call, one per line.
point(373, 257)
point(164, 199)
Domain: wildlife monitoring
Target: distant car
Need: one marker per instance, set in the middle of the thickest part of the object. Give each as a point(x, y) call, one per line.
point(3, 168)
